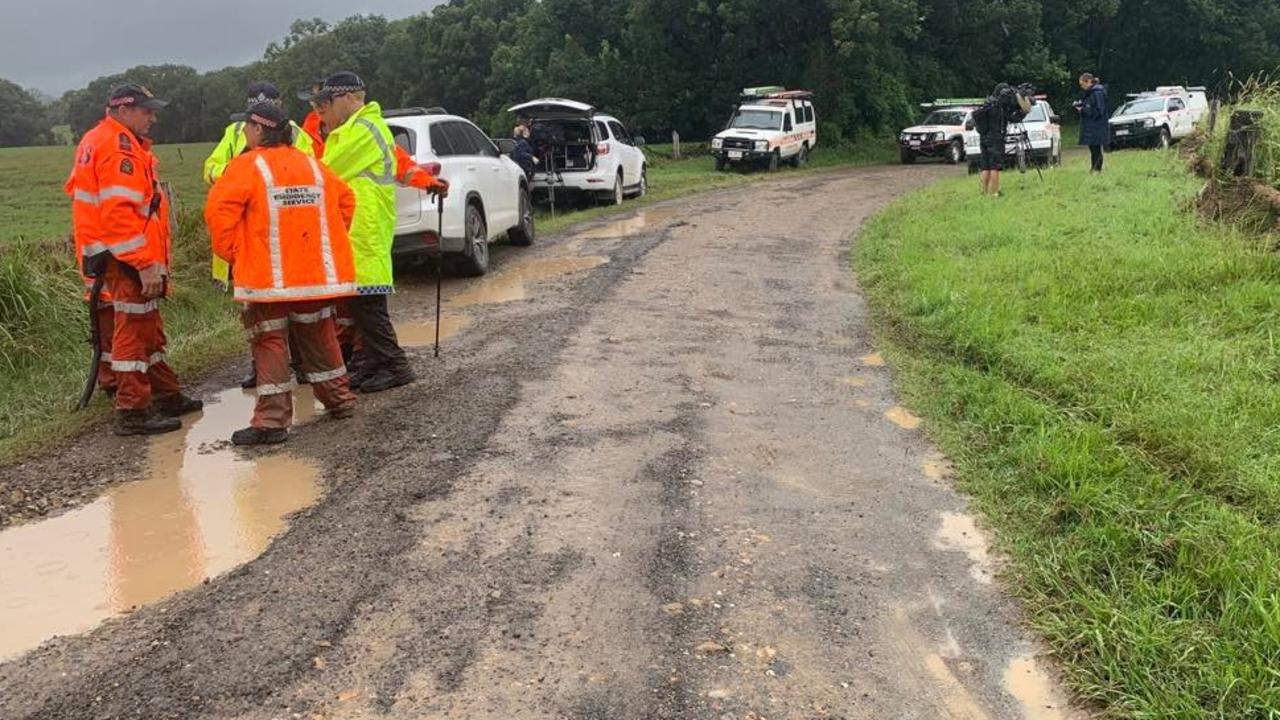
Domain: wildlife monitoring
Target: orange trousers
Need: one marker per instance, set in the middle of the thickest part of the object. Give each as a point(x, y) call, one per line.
point(137, 343)
point(105, 315)
point(310, 325)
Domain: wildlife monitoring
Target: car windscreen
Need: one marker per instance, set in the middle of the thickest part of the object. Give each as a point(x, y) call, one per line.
point(1036, 115)
point(1137, 107)
point(945, 117)
point(757, 120)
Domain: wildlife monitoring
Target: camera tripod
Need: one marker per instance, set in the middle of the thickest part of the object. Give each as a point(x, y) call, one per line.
point(1022, 150)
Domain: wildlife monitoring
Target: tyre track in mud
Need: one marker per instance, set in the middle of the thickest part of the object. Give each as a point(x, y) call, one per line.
point(663, 487)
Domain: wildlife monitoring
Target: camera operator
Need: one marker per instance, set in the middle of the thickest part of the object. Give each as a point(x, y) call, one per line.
point(1006, 105)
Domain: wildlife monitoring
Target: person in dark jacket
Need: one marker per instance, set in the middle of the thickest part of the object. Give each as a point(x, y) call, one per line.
point(1095, 130)
point(524, 154)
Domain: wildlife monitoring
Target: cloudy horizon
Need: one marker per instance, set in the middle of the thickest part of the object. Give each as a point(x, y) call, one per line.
point(96, 39)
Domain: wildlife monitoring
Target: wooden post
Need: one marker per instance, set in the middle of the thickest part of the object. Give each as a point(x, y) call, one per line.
point(675, 145)
point(1242, 138)
point(1213, 115)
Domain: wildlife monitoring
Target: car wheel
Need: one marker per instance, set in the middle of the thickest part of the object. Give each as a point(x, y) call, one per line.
point(802, 158)
point(618, 195)
point(1165, 139)
point(906, 156)
point(475, 259)
point(644, 182)
point(522, 234)
point(720, 164)
point(974, 169)
point(1020, 157)
point(775, 159)
point(955, 153)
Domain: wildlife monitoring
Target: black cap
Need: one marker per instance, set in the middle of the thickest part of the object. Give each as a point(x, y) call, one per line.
point(263, 92)
point(267, 114)
point(339, 83)
point(134, 95)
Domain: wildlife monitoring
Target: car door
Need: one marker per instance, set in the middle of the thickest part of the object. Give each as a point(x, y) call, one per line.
point(453, 167)
point(500, 194)
point(408, 200)
point(633, 159)
point(1179, 117)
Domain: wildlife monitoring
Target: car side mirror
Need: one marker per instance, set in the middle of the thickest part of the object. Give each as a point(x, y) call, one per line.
point(638, 140)
point(506, 146)
point(1055, 119)
point(968, 124)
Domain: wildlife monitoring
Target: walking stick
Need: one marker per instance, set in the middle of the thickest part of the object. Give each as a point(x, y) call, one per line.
point(439, 262)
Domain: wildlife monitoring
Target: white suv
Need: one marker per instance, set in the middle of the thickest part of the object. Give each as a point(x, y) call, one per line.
point(488, 192)
point(770, 126)
point(583, 151)
point(1042, 144)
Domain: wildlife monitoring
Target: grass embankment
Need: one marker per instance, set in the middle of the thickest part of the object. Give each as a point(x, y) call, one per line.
point(43, 348)
point(1102, 368)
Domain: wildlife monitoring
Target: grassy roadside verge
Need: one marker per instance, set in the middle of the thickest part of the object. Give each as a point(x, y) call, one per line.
point(43, 351)
point(1102, 369)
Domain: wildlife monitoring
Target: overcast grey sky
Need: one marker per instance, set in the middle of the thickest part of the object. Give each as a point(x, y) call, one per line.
point(57, 45)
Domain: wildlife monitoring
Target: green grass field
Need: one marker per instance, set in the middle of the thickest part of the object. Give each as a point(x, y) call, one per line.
point(1102, 368)
point(43, 336)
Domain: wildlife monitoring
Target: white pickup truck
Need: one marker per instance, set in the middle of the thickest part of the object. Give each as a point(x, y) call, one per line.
point(1159, 118)
point(770, 126)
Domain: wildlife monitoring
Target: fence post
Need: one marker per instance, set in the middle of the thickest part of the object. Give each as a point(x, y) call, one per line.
point(1213, 115)
point(1242, 138)
point(675, 145)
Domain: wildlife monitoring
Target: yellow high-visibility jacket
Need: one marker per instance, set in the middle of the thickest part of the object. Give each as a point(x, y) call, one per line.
point(229, 148)
point(360, 152)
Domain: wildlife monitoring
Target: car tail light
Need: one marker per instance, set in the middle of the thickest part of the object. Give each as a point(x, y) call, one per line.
point(602, 149)
point(432, 167)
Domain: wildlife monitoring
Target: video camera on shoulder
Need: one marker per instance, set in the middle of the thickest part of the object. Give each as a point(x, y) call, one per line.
point(1007, 104)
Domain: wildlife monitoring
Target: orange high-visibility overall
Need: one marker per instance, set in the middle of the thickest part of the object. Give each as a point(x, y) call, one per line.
point(280, 218)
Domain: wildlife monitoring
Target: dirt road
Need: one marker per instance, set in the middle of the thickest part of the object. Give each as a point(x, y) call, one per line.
point(659, 472)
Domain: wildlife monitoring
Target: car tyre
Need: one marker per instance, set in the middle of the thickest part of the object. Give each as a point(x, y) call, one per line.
point(955, 153)
point(775, 159)
point(475, 258)
point(618, 195)
point(802, 158)
point(1165, 140)
point(906, 157)
point(644, 182)
point(523, 233)
point(721, 165)
point(974, 169)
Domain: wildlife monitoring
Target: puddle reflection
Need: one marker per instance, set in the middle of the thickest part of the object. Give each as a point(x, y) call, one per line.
point(628, 226)
point(513, 284)
point(201, 510)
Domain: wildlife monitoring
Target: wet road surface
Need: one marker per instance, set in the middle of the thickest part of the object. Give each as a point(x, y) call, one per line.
point(658, 472)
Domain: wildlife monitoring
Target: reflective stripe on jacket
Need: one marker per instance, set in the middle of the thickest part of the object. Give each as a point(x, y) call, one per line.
point(359, 151)
point(117, 206)
point(280, 217)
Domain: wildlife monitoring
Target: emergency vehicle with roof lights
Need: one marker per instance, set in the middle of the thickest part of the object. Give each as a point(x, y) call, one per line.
point(770, 126)
point(1156, 119)
point(941, 135)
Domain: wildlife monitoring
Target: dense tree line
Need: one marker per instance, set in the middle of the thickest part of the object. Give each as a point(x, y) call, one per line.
point(664, 64)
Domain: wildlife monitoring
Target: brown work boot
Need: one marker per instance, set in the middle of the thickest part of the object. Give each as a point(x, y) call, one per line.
point(140, 422)
point(177, 405)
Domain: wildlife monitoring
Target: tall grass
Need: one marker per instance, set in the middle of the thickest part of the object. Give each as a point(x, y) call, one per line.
point(1103, 369)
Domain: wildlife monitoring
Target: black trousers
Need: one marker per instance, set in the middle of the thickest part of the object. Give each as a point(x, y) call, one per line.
point(1095, 156)
point(378, 341)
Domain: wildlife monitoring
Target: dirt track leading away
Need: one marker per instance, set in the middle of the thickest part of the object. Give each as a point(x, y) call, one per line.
point(659, 472)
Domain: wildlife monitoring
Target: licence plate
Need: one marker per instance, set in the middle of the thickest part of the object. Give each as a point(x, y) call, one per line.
point(1122, 132)
point(915, 143)
point(735, 154)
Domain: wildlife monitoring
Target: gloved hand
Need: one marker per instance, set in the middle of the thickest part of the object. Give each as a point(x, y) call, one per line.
point(439, 187)
point(152, 278)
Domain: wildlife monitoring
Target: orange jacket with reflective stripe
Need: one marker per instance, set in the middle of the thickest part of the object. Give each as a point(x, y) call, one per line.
point(117, 206)
point(280, 218)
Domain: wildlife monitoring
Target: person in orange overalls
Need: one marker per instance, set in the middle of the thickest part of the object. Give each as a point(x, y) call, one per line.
point(120, 218)
point(280, 218)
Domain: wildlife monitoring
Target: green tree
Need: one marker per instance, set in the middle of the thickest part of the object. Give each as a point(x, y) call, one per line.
point(22, 117)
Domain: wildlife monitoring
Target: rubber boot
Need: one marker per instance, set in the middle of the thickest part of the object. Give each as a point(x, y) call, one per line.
point(140, 422)
point(177, 405)
point(250, 381)
point(259, 436)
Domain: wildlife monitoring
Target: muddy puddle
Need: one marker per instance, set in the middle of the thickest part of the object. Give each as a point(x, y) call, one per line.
point(628, 226)
point(422, 333)
point(200, 509)
point(513, 284)
point(1035, 689)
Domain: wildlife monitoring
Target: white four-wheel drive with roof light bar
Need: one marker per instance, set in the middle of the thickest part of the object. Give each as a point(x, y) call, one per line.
point(770, 126)
point(941, 135)
point(1042, 144)
point(581, 150)
point(1156, 119)
point(488, 192)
